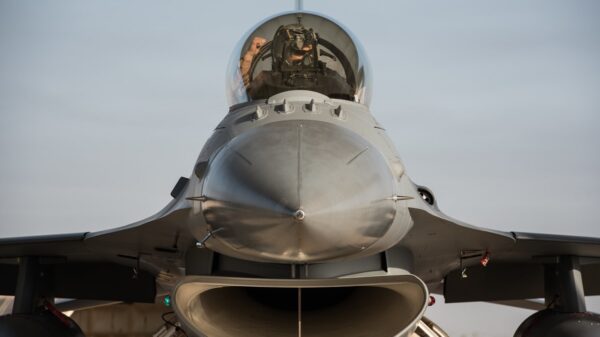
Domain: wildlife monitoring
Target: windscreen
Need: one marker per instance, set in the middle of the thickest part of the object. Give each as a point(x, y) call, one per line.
point(298, 51)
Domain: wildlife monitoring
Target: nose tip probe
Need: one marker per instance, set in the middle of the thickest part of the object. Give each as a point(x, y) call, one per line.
point(299, 215)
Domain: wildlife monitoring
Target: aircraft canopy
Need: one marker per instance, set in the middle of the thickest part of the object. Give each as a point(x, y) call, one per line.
point(298, 51)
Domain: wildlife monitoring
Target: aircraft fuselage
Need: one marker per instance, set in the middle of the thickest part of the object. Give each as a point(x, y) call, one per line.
point(300, 178)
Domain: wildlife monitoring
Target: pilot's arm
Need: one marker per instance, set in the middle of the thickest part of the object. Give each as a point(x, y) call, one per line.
point(246, 61)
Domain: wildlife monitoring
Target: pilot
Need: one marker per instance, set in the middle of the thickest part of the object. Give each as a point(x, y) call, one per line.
point(246, 61)
point(296, 54)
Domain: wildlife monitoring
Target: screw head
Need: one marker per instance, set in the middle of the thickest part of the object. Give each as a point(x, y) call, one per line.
point(299, 215)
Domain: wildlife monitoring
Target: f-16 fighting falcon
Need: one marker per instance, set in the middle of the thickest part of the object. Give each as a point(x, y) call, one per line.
point(300, 219)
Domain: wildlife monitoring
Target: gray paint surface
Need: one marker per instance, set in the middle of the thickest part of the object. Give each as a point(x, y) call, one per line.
point(493, 106)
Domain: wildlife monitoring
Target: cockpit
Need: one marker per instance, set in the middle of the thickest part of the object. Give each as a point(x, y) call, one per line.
point(298, 51)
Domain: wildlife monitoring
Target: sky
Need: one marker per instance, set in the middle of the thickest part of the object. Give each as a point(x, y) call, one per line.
point(495, 106)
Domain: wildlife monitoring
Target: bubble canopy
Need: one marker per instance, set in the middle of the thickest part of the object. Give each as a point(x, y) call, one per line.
point(298, 51)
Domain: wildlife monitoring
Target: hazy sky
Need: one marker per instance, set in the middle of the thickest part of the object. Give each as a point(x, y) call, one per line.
point(493, 105)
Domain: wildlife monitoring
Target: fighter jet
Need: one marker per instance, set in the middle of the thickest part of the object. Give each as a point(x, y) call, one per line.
point(300, 219)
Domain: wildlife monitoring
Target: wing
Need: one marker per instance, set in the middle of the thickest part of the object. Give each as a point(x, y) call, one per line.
point(468, 263)
point(122, 264)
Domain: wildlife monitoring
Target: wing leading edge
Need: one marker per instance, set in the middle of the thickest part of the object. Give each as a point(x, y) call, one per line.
point(115, 265)
point(467, 263)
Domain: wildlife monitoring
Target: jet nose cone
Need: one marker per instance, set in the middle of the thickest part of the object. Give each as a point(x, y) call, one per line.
point(298, 191)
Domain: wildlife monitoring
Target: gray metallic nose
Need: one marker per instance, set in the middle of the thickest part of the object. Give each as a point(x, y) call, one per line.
point(298, 191)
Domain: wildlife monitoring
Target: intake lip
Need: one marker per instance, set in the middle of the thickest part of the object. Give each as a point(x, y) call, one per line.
point(383, 306)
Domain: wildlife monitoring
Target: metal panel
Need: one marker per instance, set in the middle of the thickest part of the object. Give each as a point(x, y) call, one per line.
point(495, 283)
point(511, 281)
point(93, 281)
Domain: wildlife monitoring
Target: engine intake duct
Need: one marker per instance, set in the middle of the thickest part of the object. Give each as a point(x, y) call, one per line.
point(387, 306)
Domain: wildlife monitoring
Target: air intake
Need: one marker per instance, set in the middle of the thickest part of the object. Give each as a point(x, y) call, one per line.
point(387, 306)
